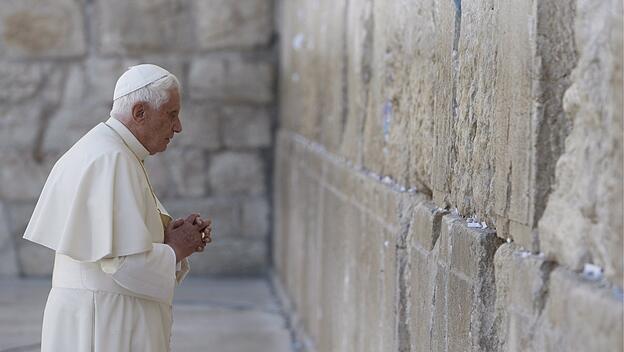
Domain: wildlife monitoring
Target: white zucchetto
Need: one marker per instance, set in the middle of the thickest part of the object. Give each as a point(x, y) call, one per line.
point(137, 77)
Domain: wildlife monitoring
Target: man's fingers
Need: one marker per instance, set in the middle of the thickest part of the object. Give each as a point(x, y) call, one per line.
point(191, 218)
point(206, 225)
point(177, 223)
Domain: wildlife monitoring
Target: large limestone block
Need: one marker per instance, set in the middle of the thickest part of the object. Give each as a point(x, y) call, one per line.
point(337, 292)
point(42, 29)
point(231, 257)
point(530, 126)
point(246, 127)
point(8, 253)
point(21, 176)
point(70, 122)
point(34, 259)
point(424, 299)
point(178, 172)
point(299, 87)
point(237, 173)
point(473, 113)
point(410, 50)
point(200, 126)
point(425, 225)
point(376, 297)
point(587, 316)
point(19, 81)
point(358, 66)
point(255, 217)
point(233, 23)
point(145, 26)
point(450, 288)
point(330, 70)
point(20, 126)
point(544, 307)
point(231, 78)
point(583, 219)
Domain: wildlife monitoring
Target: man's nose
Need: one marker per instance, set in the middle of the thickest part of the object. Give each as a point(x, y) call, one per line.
point(177, 126)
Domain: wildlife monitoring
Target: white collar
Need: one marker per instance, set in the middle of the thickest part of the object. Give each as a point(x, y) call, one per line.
point(126, 135)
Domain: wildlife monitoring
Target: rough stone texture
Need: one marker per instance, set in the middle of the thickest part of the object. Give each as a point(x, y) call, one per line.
point(8, 258)
point(246, 127)
point(337, 239)
point(255, 218)
point(19, 81)
point(200, 127)
point(33, 259)
point(440, 126)
point(231, 78)
point(138, 27)
point(449, 285)
point(542, 307)
point(178, 173)
point(22, 178)
point(236, 172)
point(582, 222)
point(233, 23)
point(59, 62)
point(42, 29)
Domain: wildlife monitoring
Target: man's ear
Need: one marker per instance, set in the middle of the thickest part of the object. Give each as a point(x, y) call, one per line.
point(138, 112)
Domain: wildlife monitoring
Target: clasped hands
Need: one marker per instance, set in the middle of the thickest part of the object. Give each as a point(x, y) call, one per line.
point(187, 236)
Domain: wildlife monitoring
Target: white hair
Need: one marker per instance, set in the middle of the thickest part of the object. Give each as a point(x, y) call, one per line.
point(155, 94)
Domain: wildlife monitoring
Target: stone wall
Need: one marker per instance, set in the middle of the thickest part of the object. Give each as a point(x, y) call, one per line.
point(448, 174)
point(59, 60)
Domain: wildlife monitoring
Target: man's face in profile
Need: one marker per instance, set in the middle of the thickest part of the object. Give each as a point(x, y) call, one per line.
point(162, 123)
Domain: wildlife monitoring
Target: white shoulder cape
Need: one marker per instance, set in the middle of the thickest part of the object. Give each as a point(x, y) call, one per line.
point(96, 202)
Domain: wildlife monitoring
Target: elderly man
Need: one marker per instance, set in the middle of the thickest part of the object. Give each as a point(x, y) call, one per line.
point(118, 254)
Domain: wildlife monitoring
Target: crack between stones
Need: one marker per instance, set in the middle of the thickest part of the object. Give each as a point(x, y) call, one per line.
point(546, 269)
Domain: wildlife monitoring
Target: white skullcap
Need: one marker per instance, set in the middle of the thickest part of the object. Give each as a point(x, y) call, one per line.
point(137, 77)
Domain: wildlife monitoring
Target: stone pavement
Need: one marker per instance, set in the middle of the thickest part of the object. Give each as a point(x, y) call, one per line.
point(225, 315)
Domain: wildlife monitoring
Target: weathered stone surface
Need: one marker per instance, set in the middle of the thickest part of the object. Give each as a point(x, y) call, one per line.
point(582, 222)
point(34, 259)
point(255, 217)
point(237, 173)
point(178, 172)
point(233, 24)
point(19, 81)
point(246, 127)
point(37, 29)
point(541, 307)
point(231, 78)
point(21, 176)
point(409, 53)
point(18, 126)
point(224, 213)
point(8, 254)
point(588, 316)
point(358, 70)
point(231, 256)
point(144, 26)
point(70, 122)
point(425, 225)
point(200, 127)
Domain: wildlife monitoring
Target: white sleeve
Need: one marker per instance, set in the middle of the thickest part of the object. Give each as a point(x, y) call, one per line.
point(152, 274)
point(182, 269)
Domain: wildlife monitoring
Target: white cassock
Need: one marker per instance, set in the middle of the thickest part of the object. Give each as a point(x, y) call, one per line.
point(113, 278)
